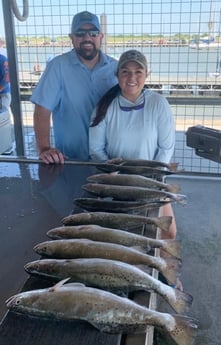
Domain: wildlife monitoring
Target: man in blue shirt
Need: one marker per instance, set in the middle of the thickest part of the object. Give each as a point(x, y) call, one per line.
point(5, 91)
point(70, 88)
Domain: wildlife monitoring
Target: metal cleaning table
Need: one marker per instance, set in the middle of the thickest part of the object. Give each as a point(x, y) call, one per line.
point(33, 199)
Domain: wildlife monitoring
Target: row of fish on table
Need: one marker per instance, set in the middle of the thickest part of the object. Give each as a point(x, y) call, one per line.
point(96, 259)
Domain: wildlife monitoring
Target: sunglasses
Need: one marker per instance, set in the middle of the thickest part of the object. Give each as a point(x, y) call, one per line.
point(82, 33)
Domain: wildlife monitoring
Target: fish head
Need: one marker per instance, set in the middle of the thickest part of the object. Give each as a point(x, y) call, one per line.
point(22, 302)
point(33, 266)
point(42, 248)
point(54, 233)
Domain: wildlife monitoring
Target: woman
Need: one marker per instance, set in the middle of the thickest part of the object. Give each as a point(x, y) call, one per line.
point(133, 122)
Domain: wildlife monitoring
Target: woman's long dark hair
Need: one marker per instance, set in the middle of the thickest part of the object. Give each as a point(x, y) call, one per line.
point(104, 103)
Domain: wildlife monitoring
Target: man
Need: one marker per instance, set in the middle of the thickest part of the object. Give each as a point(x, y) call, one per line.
point(5, 91)
point(70, 87)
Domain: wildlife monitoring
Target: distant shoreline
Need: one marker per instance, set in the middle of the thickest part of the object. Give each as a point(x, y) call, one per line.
point(117, 45)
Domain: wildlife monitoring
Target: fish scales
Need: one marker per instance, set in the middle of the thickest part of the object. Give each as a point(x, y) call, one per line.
point(116, 220)
point(131, 192)
point(136, 170)
point(104, 234)
point(104, 310)
point(132, 180)
point(111, 275)
point(83, 248)
point(107, 205)
point(143, 162)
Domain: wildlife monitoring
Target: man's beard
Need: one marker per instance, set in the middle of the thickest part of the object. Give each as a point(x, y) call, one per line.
point(85, 53)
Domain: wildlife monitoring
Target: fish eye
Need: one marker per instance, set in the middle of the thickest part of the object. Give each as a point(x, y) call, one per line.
point(17, 302)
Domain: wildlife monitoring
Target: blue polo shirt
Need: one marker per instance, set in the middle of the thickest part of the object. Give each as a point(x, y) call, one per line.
point(70, 90)
point(4, 75)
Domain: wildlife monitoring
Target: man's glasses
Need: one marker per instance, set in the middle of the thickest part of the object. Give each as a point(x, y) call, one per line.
point(82, 33)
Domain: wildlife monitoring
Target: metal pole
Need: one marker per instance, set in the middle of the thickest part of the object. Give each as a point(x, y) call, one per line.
point(13, 71)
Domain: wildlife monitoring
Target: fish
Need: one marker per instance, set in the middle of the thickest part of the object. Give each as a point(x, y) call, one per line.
point(107, 205)
point(117, 220)
point(104, 310)
point(110, 235)
point(127, 193)
point(111, 275)
point(135, 170)
point(132, 180)
point(143, 162)
point(83, 248)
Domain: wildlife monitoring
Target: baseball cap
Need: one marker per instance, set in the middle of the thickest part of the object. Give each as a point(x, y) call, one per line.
point(133, 55)
point(82, 18)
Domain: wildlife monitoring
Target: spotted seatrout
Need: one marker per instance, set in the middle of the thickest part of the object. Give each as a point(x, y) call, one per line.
point(106, 205)
point(117, 220)
point(131, 192)
point(132, 180)
point(135, 169)
point(143, 162)
point(125, 238)
point(83, 248)
point(102, 309)
point(111, 275)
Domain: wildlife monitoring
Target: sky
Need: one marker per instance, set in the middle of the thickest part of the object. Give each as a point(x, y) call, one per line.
point(154, 17)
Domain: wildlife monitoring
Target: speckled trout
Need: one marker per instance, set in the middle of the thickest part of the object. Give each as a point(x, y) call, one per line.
point(135, 169)
point(131, 192)
point(102, 309)
point(107, 205)
point(101, 234)
point(111, 275)
point(144, 163)
point(117, 220)
point(132, 180)
point(83, 248)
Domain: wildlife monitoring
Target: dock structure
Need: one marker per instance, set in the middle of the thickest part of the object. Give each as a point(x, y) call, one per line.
point(196, 85)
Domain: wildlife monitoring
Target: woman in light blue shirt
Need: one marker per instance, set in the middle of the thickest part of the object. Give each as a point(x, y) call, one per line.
point(132, 122)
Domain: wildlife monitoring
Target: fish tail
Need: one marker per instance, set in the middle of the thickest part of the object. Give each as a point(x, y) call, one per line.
point(181, 199)
point(173, 166)
point(173, 188)
point(172, 269)
point(164, 222)
point(182, 301)
point(172, 247)
point(185, 330)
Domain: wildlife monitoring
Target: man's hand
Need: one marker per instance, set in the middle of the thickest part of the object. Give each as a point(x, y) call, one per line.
point(52, 156)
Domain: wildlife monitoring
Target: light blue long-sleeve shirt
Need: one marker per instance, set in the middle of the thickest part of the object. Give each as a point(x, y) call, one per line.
point(70, 90)
point(147, 133)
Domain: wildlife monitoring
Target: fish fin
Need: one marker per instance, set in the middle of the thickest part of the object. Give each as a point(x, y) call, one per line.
point(75, 284)
point(172, 269)
point(164, 222)
point(183, 301)
point(185, 330)
point(173, 188)
point(173, 166)
point(173, 247)
point(59, 284)
point(180, 198)
point(114, 173)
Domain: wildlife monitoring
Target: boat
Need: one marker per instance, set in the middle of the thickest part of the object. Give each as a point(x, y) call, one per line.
point(217, 72)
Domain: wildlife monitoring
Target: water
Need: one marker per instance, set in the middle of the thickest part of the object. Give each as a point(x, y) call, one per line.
point(163, 61)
